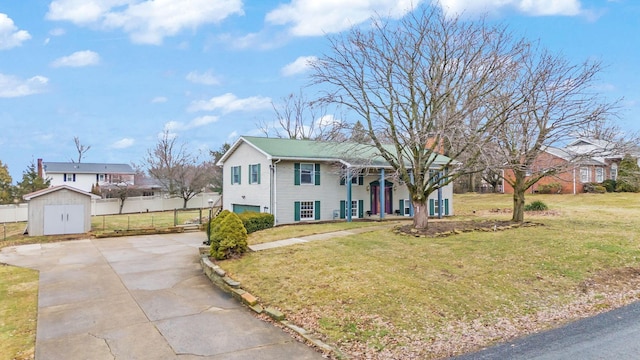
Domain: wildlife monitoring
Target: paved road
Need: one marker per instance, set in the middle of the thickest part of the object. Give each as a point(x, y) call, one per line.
point(141, 297)
point(614, 335)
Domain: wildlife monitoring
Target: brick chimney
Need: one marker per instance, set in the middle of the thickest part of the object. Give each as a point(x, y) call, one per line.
point(40, 174)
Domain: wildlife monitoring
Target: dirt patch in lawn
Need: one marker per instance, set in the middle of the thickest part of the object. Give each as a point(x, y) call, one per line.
point(447, 228)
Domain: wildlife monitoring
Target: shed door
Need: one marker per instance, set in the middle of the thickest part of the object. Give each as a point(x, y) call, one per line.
point(63, 219)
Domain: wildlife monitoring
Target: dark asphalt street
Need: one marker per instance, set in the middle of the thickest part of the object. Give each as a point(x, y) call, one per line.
point(611, 335)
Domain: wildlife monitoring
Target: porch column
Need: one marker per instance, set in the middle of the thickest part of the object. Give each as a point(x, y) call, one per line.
point(348, 204)
point(383, 204)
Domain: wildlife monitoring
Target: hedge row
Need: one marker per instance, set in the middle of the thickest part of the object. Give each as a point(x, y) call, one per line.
point(255, 221)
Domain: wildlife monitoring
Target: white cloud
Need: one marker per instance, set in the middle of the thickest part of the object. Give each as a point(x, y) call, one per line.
point(159, 99)
point(529, 7)
point(206, 78)
point(123, 143)
point(175, 126)
point(78, 59)
point(10, 36)
point(203, 120)
point(299, 66)
point(316, 18)
point(233, 136)
point(11, 86)
point(230, 103)
point(147, 22)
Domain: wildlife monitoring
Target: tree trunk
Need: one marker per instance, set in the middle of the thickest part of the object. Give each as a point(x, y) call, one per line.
point(184, 203)
point(420, 215)
point(518, 205)
point(121, 206)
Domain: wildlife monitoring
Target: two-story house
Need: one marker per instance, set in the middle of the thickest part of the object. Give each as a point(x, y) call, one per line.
point(305, 180)
point(84, 176)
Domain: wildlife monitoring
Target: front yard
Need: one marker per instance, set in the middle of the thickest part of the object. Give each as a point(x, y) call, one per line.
point(386, 296)
point(380, 295)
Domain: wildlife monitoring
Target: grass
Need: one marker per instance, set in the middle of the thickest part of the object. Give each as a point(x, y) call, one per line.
point(18, 309)
point(292, 231)
point(385, 290)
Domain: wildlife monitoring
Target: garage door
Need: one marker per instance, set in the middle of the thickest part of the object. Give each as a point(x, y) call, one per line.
point(237, 208)
point(63, 219)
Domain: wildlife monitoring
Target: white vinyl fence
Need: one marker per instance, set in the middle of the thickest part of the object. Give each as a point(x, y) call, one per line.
point(138, 204)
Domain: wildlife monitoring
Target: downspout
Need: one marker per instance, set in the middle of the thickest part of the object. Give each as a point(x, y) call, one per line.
point(274, 199)
point(574, 181)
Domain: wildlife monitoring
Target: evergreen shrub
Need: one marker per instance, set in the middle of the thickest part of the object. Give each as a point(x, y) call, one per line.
point(232, 238)
point(255, 221)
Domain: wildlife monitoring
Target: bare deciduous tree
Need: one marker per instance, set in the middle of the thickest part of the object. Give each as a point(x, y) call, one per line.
point(559, 100)
point(422, 84)
point(179, 172)
point(300, 118)
point(82, 149)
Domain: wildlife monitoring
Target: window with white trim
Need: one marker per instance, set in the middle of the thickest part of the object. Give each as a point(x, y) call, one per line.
point(235, 175)
point(613, 173)
point(254, 174)
point(354, 208)
point(599, 174)
point(584, 175)
point(307, 210)
point(306, 174)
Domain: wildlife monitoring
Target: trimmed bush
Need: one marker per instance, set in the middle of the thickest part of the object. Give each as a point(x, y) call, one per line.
point(232, 238)
point(215, 236)
point(609, 185)
point(594, 188)
point(255, 221)
point(536, 206)
point(551, 188)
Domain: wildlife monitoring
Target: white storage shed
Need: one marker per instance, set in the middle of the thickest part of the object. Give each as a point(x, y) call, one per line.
point(59, 210)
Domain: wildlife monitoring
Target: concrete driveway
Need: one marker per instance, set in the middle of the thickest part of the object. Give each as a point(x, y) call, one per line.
point(141, 297)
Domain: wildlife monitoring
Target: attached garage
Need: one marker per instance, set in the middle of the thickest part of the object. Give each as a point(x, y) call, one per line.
point(238, 208)
point(59, 210)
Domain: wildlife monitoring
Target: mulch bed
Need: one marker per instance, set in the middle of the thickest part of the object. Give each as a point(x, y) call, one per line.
point(447, 228)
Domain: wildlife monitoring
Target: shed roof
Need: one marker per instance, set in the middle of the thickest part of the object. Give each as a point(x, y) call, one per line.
point(87, 168)
point(351, 154)
point(52, 189)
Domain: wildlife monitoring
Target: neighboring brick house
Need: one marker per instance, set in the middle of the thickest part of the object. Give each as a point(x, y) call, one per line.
point(84, 176)
point(575, 173)
point(304, 180)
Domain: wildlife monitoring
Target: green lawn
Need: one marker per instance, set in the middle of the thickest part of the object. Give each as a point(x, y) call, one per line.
point(18, 312)
point(384, 296)
point(388, 294)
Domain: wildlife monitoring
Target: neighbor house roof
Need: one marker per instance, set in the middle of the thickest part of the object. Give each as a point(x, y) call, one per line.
point(572, 157)
point(49, 190)
point(348, 153)
point(86, 168)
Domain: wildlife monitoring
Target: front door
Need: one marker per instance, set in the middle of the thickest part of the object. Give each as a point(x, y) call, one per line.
point(374, 189)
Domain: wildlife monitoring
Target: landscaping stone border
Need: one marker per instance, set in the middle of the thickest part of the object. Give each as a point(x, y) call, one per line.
point(219, 277)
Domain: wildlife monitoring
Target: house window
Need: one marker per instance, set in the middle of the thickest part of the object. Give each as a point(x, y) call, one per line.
point(69, 177)
point(613, 173)
point(306, 210)
point(355, 180)
point(235, 175)
point(254, 174)
point(354, 208)
point(148, 193)
point(599, 175)
point(584, 175)
point(306, 174)
point(101, 178)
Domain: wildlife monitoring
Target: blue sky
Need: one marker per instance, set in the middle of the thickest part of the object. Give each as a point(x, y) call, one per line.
point(116, 73)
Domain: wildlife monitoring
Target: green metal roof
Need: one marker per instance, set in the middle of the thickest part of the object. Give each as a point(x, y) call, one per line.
point(353, 154)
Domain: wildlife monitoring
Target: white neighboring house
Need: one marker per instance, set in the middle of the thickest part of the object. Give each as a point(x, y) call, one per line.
point(83, 176)
point(305, 180)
